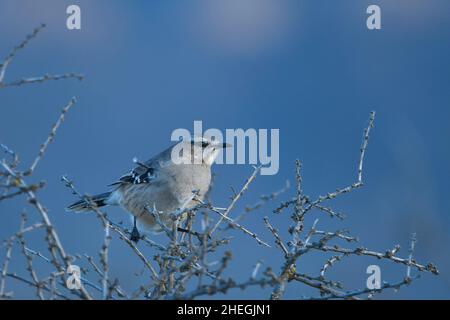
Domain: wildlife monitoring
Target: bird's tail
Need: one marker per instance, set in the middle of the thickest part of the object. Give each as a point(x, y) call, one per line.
point(86, 204)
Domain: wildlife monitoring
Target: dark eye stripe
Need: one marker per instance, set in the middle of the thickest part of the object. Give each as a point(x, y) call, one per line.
point(204, 143)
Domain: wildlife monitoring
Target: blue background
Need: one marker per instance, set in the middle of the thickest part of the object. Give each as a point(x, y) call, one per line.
point(310, 68)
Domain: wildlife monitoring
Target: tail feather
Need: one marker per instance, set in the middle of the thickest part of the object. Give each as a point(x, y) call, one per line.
point(99, 200)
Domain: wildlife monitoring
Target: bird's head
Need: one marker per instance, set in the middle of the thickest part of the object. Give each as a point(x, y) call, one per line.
point(198, 150)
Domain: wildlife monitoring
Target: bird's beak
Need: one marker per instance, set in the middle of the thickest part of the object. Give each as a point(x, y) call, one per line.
point(226, 145)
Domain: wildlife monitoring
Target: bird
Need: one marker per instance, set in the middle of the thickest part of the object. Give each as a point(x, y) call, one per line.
point(165, 182)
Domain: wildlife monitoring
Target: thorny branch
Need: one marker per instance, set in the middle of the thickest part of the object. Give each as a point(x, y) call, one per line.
point(193, 263)
point(47, 77)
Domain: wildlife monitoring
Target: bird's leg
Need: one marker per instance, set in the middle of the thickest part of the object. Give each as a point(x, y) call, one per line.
point(135, 236)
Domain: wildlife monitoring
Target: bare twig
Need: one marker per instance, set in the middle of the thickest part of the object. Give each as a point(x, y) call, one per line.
point(30, 80)
point(16, 49)
point(51, 136)
point(236, 198)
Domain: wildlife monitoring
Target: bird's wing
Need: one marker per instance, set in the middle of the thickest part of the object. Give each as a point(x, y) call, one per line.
point(146, 172)
point(142, 173)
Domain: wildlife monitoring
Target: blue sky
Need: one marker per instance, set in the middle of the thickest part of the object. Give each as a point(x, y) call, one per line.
point(311, 69)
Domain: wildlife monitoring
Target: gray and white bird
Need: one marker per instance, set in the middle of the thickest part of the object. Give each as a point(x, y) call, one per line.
point(162, 182)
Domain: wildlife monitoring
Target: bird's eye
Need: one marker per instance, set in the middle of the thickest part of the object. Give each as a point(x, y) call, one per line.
point(204, 144)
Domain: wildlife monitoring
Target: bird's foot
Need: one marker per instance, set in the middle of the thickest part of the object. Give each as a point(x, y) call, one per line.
point(135, 236)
